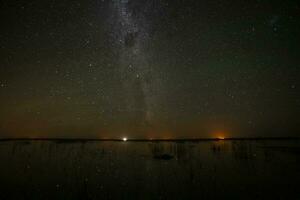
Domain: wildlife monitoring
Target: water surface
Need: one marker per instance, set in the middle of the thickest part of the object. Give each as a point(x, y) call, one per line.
point(234, 169)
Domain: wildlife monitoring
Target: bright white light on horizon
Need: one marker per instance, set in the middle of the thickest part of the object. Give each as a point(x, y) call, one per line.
point(125, 139)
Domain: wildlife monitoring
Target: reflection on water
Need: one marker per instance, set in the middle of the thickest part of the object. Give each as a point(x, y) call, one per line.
point(150, 170)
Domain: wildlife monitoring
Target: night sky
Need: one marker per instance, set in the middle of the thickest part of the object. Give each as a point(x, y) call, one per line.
point(149, 68)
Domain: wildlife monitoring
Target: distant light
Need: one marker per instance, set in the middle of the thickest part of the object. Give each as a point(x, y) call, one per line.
point(221, 138)
point(124, 139)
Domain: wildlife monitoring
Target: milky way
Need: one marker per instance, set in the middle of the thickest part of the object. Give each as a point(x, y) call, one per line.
point(130, 36)
point(149, 68)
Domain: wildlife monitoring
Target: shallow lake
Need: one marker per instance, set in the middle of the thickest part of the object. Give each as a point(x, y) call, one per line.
point(231, 169)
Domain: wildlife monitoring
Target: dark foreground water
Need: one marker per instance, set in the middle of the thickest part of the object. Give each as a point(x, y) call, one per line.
point(266, 169)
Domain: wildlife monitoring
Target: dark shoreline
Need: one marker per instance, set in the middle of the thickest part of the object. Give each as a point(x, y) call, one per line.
point(146, 140)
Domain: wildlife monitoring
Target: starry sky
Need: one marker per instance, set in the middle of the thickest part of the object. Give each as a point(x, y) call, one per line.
point(149, 68)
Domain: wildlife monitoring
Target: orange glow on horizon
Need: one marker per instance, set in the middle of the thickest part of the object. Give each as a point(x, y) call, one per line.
point(220, 135)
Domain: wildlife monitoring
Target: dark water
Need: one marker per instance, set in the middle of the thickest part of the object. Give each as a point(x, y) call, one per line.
point(150, 170)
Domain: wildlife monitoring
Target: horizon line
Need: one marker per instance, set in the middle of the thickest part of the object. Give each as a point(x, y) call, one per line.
point(151, 140)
